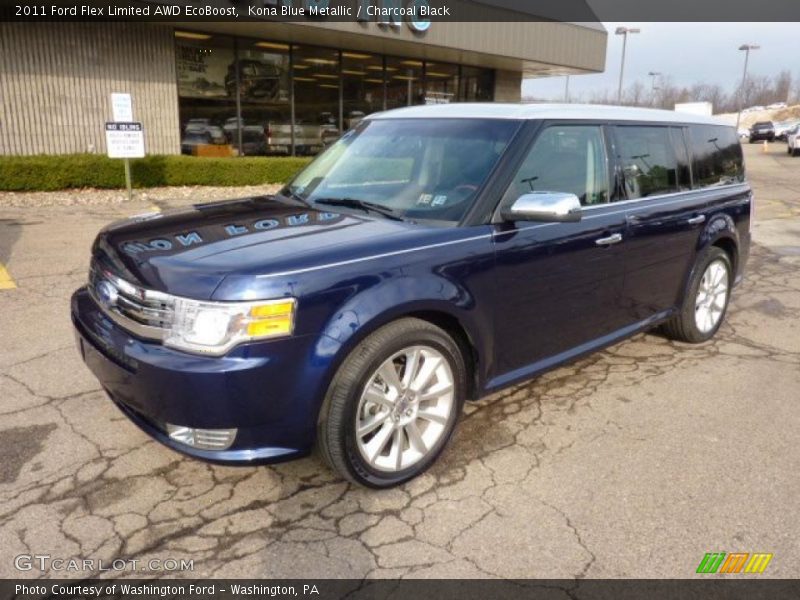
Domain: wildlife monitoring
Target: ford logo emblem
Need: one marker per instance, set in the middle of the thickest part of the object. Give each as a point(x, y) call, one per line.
point(107, 293)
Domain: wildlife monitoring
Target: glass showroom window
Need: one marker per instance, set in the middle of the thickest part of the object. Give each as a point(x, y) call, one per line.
point(477, 85)
point(362, 86)
point(404, 85)
point(265, 97)
point(316, 98)
point(206, 92)
point(441, 83)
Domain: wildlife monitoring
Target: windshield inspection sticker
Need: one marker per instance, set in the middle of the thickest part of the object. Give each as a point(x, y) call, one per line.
point(425, 199)
point(439, 200)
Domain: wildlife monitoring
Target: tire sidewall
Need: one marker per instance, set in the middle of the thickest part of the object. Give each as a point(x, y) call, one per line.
point(370, 360)
point(711, 255)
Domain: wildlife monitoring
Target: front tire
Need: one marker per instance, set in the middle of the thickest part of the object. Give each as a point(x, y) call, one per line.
point(706, 302)
point(393, 404)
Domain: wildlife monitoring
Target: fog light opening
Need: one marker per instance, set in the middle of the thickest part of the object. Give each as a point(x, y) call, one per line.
point(203, 439)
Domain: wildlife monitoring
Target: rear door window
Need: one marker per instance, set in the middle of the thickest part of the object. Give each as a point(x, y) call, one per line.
point(648, 156)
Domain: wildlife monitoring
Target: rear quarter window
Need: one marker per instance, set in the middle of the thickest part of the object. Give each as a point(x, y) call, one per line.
point(717, 156)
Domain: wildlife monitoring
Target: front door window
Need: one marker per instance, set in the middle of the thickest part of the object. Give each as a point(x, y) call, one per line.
point(568, 158)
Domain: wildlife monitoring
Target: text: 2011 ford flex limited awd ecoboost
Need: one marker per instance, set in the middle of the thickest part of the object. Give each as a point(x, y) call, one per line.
point(431, 256)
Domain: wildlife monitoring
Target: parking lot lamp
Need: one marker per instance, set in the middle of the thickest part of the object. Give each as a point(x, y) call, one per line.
point(623, 31)
point(653, 87)
point(746, 48)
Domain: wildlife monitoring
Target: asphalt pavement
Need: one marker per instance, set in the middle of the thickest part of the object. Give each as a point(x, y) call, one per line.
point(633, 462)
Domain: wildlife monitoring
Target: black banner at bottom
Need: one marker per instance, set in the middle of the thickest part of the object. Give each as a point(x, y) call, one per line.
point(438, 589)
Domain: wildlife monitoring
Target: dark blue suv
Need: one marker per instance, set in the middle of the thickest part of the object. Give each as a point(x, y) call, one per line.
point(431, 256)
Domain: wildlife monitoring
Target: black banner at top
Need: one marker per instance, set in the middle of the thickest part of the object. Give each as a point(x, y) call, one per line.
point(418, 14)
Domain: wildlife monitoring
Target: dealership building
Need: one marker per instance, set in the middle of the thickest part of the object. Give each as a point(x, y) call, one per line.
point(256, 87)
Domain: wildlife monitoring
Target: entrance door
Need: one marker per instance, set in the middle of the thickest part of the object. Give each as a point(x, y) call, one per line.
point(558, 285)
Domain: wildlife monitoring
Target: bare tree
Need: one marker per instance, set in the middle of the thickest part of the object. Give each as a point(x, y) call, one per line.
point(635, 94)
point(758, 90)
point(783, 86)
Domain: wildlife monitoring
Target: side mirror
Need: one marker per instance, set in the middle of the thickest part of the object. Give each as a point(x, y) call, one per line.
point(549, 207)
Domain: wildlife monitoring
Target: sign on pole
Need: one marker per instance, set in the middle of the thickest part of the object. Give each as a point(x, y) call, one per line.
point(124, 137)
point(121, 108)
point(125, 140)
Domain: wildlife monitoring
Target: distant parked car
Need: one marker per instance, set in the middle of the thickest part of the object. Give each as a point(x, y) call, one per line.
point(328, 129)
point(793, 141)
point(208, 137)
point(354, 118)
point(782, 127)
point(744, 133)
point(763, 130)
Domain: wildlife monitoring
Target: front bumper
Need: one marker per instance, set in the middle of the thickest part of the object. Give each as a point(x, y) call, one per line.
point(757, 136)
point(269, 391)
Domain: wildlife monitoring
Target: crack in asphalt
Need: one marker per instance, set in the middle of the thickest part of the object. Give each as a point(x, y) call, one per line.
point(144, 501)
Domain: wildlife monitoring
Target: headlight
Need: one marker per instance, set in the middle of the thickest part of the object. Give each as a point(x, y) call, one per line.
point(216, 327)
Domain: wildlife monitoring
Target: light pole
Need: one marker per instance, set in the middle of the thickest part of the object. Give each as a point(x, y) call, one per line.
point(566, 91)
point(624, 31)
point(653, 87)
point(746, 48)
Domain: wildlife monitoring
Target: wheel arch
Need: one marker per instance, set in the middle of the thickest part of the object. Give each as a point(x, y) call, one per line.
point(441, 313)
point(728, 245)
point(720, 233)
point(456, 330)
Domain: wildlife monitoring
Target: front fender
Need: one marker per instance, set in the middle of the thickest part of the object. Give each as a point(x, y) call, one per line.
point(395, 298)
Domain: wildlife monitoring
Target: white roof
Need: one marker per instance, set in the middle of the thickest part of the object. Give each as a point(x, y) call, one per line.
point(542, 111)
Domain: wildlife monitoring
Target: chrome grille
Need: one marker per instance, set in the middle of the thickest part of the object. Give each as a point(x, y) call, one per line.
point(145, 313)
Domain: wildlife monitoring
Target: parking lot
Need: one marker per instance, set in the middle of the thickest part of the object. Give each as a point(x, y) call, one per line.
point(634, 462)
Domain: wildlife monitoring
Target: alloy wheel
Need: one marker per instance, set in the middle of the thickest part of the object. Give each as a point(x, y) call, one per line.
point(712, 295)
point(404, 408)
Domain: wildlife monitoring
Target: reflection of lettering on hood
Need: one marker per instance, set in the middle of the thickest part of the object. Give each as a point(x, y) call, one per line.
point(192, 238)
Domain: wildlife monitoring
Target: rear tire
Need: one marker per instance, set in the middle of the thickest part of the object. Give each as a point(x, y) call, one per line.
point(706, 301)
point(384, 419)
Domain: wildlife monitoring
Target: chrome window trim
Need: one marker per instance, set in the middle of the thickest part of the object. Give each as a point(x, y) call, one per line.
point(671, 195)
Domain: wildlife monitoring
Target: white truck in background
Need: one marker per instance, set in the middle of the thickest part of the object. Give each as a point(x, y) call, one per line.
point(695, 108)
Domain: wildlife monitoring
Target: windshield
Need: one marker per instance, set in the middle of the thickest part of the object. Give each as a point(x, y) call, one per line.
point(428, 169)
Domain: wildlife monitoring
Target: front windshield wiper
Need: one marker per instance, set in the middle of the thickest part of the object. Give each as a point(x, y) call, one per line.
point(364, 205)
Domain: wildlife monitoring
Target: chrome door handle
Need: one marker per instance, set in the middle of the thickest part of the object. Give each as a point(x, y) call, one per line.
point(696, 220)
point(610, 240)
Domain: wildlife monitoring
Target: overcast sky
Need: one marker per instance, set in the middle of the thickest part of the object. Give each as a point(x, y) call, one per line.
point(688, 53)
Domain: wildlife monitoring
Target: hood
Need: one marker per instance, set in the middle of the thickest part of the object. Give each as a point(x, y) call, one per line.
point(189, 252)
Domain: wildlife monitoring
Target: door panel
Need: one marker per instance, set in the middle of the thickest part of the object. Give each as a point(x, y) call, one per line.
point(662, 241)
point(558, 285)
point(556, 288)
point(665, 217)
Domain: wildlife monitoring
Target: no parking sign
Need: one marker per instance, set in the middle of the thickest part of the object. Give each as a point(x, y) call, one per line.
point(124, 140)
